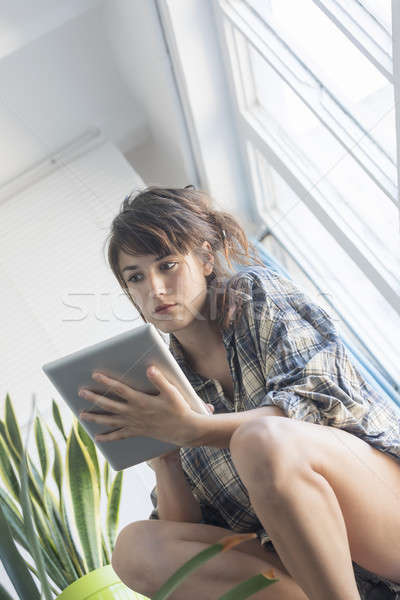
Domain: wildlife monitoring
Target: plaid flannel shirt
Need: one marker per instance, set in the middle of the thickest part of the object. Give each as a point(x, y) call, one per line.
point(285, 351)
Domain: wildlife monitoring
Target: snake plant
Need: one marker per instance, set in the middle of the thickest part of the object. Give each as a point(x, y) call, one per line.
point(63, 547)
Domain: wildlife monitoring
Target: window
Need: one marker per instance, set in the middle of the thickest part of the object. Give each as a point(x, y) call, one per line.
point(314, 91)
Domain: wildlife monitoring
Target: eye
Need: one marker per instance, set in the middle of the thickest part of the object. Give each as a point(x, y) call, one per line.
point(133, 278)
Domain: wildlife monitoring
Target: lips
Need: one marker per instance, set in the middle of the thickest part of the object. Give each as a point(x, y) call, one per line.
point(164, 307)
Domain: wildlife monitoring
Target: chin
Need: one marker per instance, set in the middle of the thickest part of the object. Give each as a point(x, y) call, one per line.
point(166, 324)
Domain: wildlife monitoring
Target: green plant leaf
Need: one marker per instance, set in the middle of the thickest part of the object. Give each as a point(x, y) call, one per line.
point(12, 427)
point(113, 505)
point(11, 450)
point(14, 520)
point(3, 431)
point(62, 523)
point(35, 490)
point(58, 474)
point(57, 470)
point(106, 555)
point(4, 595)
point(15, 565)
point(77, 558)
point(46, 538)
point(224, 544)
point(52, 560)
point(35, 484)
point(5, 498)
point(249, 587)
point(57, 419)
point(35, 548)
point(42, 526)
point(176, 578)
point(16, 526)
point(34, 571)
point(42, 448)
point(91, 448)
point(61, 547)
point(7, 472)
point(85, 498)
point(106, 474)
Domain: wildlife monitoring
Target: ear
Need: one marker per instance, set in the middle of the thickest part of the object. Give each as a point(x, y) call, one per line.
point(209, 265)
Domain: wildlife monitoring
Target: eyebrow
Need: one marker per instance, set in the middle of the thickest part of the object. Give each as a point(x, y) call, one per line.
point(134, 267)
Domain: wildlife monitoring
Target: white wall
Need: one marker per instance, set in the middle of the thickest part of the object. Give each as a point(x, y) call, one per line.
point(133, 30)
point(56, 87)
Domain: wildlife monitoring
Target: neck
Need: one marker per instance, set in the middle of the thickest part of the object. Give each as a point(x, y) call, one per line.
point(201, 337)
point(199, 340)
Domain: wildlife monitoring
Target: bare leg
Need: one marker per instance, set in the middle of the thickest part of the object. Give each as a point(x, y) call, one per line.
point(161, 555)
point(306, 524)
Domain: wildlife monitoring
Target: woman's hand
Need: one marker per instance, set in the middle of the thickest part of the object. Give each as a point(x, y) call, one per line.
point(166, 416)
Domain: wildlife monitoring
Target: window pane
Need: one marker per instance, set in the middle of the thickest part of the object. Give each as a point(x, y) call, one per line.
point(348, 191)
point(329, 265)
point(326, 300)
point(341, 67)
point(382, 11)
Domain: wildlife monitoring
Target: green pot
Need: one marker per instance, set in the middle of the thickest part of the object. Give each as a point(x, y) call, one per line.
point(100, 584)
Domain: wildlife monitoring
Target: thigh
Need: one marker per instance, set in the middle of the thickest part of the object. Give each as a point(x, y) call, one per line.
point(366, 483)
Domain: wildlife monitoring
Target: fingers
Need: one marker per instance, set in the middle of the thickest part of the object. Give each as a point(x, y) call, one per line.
point(159, 379)
point(118, 434)
point(112, 406)
point(119, 388)
point(106, 419)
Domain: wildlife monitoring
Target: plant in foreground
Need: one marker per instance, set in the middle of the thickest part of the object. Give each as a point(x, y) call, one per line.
point(37, 519)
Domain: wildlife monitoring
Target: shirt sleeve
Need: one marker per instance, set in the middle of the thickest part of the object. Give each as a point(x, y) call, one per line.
point(306, 368)
point(153, 496)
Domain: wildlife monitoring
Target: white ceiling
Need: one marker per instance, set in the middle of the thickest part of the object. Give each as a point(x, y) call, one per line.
point(70, 65)
point(22, 22)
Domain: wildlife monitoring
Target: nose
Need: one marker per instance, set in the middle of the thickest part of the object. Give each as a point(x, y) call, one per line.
point(156, 285)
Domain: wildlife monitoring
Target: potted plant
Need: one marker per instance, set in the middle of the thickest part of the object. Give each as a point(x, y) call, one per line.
point(35, 518)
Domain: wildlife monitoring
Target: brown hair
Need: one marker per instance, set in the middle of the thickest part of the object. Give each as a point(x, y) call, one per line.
point(162, 221)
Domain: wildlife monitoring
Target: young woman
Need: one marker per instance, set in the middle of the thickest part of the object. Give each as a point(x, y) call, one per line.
point(299, 448)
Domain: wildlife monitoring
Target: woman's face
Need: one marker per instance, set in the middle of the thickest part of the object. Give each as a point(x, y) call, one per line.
point(174, 279)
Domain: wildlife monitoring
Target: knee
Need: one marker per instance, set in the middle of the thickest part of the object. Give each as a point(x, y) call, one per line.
point(130, 558)
point(262, 448)
point(257, 434)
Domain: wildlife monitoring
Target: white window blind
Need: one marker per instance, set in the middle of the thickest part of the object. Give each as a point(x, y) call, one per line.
point(313, 87)
point(58, 293)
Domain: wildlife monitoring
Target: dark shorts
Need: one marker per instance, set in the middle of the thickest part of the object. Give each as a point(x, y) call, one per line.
point(370, 585)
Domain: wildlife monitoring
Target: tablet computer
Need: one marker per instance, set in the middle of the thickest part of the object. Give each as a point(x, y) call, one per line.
point(124, 357)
